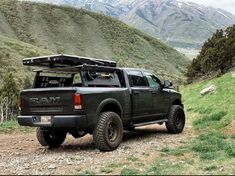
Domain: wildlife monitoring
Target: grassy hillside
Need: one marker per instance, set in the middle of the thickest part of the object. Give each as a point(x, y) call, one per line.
point(72, 31)
point(212, 117)
point(222, 100)
point(11, 53)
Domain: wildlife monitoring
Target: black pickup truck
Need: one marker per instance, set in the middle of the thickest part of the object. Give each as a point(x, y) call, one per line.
point(80, 95)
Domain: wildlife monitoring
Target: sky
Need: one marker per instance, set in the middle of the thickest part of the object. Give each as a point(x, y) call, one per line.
point(228, 5)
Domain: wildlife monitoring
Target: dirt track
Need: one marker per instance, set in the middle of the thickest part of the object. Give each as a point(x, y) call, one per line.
point(22, 154)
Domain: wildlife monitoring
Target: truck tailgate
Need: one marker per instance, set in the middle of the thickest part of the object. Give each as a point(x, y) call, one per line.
point(47, 102)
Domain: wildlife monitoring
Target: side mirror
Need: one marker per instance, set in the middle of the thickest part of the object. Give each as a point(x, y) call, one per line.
point(167, 84)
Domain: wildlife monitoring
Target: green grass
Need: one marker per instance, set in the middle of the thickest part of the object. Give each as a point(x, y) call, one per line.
point(210, 146)
point(210, 168)
point(165, 149)
point(145, 154)
point(106, 170)
point(129, 171)
point(13, 126)
point(165, 167)
point(117, 165)
point(208, 120)
point(87, 172)
point(109, 169)
point(174, 151)
point(132, 158)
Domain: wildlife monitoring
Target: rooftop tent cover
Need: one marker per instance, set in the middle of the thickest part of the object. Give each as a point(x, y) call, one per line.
point(61, 60)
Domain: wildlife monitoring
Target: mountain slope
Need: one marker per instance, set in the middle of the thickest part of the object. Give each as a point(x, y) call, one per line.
point(180, 24)
point(73, 31)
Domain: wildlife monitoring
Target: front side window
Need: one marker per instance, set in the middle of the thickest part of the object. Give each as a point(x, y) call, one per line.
point(153, 81)
point(137, 79)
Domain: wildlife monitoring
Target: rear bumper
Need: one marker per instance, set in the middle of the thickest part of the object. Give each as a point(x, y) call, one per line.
point(63, 121)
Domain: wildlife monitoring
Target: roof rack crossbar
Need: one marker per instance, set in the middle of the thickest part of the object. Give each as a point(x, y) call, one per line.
point(76, 69)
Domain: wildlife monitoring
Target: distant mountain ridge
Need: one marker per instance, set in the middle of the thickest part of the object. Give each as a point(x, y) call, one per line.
point(180, 24)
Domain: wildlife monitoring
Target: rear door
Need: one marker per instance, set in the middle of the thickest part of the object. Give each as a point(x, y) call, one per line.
point(140, 95)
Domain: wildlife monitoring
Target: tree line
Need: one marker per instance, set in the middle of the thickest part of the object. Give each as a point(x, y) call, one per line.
point(9, 94)
point(216, 57)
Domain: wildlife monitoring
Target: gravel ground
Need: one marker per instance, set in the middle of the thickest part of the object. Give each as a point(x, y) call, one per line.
point(22, 154)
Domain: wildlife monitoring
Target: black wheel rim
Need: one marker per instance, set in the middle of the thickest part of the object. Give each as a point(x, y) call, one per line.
point(54, 135)
point(179, 120)
point(112, 131)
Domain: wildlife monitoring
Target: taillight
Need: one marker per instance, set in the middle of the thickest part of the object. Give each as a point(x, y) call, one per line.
point(20, 103)
point(77, 101)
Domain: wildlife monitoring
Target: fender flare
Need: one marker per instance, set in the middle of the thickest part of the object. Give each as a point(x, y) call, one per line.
point(106, 102)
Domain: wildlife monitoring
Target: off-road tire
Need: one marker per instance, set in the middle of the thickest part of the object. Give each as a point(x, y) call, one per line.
point(176, 119)
point(50, 137)
point(108, 132)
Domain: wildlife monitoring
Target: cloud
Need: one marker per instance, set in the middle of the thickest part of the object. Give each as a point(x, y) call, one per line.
point(228, 5)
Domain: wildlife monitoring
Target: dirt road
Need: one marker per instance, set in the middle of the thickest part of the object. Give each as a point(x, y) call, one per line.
point(22, 154)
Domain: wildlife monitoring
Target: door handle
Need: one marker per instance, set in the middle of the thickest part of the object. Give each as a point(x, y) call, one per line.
point(136, 92)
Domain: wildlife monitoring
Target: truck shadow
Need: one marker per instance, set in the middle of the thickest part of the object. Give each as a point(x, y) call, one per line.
point(86, 143)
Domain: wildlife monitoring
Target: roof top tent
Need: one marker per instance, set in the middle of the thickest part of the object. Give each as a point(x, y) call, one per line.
point(69, 66)
point(61, 60)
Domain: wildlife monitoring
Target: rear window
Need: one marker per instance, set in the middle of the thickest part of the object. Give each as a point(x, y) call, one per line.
point(52, 80)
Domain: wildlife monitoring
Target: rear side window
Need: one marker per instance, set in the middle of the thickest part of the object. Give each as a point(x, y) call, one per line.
point(137, 79)
point(101, 79)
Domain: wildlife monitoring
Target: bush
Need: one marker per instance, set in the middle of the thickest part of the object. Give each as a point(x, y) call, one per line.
point(8, 99)
point(216, 56)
